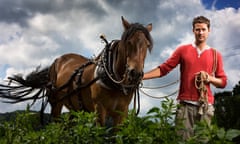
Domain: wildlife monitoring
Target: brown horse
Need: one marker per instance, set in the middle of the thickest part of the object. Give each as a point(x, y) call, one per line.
point(105, 84)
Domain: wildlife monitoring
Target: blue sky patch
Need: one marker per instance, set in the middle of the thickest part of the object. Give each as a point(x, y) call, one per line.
point(221, 4)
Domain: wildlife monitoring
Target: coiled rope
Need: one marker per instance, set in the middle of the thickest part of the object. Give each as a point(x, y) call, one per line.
point(203, 92)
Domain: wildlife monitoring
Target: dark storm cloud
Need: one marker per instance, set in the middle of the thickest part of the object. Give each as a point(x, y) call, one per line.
point(11, 12)
point(19, 11)
point(142, 10)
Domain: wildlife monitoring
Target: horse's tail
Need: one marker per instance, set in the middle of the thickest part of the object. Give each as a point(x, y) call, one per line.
point(20, 89)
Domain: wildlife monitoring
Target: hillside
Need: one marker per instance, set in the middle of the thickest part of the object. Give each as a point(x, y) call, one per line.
point(9, 116)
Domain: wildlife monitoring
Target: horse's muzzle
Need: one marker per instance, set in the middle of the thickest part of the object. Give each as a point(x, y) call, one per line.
point(134, 77)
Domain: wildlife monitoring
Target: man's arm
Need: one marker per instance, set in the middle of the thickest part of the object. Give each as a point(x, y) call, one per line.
point(217, 82)
point(154, 73)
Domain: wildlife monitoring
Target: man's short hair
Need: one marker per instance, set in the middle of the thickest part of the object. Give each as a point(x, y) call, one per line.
point(201, 19)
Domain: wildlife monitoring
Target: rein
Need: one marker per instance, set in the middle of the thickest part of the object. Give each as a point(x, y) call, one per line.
point(163, 86)
point(159, 97)
point(136, 101)
point(159, 87)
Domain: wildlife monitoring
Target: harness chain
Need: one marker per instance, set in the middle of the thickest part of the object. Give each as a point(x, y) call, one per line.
point(201, 86)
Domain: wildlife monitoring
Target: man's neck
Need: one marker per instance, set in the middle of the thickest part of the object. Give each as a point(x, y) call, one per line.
point(201, 45)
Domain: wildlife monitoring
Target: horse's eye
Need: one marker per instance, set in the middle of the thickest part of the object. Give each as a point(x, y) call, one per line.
point(129, 42)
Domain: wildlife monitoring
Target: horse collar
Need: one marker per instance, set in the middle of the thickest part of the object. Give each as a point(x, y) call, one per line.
point(105, 69)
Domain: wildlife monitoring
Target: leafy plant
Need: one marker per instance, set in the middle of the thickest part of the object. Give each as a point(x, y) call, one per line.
point(81, 128)
point(212, 134)
point(156, 127)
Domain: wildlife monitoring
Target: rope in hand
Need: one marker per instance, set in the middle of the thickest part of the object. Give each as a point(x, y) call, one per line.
point(200, 84)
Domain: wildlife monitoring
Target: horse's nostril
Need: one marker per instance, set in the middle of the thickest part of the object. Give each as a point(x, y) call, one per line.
point(132, 72)
point(135, 75)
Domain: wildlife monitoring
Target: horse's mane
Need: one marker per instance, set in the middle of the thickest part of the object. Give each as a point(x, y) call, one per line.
point(137, 27)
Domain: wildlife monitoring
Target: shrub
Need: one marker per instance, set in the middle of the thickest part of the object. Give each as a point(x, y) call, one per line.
point(80, 127)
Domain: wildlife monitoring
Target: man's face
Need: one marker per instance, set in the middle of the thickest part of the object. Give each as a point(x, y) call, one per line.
point(201, 32)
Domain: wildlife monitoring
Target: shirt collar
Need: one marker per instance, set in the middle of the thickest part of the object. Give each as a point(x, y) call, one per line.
point(198, 50)
point(205, 48)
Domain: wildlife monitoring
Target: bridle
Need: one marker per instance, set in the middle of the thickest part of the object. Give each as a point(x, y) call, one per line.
point(105, 69)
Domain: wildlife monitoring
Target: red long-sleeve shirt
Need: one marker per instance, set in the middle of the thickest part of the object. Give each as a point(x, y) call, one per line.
point(192, 62)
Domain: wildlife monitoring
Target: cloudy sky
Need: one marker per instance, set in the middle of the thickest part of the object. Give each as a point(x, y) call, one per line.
point(36, 32)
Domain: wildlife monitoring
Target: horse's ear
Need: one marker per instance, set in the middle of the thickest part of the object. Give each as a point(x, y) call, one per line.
point(149, 27)
point(125, 23)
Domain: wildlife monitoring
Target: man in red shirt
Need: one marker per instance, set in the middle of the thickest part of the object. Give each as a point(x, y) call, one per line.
point(194, 59)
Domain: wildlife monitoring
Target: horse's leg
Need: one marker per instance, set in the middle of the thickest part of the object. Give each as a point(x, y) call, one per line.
point(119, 117)
point(56, 110)
point(74, 103)
point(101, 112)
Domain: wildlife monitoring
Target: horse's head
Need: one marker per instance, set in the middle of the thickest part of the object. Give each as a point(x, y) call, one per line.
point(135, 42)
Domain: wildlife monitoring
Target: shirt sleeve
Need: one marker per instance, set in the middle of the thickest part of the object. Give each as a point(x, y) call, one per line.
point(220, 73)
point(171, 62)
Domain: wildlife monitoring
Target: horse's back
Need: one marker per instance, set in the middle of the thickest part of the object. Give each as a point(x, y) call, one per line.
point(64, 67)
point(71, 58)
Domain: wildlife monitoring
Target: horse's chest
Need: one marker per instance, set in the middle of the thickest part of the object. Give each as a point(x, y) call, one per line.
point(110, 98)
point(104, 79)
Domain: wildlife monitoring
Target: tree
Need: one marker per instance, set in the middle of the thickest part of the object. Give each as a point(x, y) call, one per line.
point(236, 89)
point(227, 109)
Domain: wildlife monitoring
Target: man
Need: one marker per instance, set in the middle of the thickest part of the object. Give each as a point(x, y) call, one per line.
point(196, 59)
